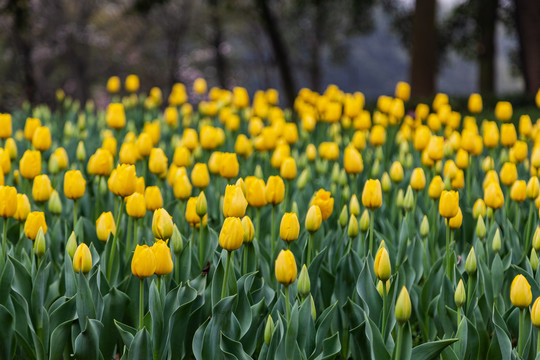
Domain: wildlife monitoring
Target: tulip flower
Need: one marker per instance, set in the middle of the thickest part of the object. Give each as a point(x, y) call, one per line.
point(286, 271)
point(143, 265)
point(521, 297)
point(82, 259)
point(289, 228)
point(33, 223)
point(231, 238)
point(41, 140)
point(234, 204)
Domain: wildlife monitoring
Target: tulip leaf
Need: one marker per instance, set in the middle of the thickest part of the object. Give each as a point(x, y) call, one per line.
point(127, 333)
point(501, 332)
point(6, 332)
point(377, 347)
point(85, 303)
point(114, 306)
point(232, 349)
point(6, 279)
point(141, 346)
point(331, 347)
point(155, 304)
point(198, 340)
point(87, 343)
point(59, 339)
point(431, 350)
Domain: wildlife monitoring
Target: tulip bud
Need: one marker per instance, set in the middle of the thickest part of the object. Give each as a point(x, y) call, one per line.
point(55, 204)
point(380, 287)
point(304, 285)
point(39, 243)
point(364, 221)
point(143, 263)
point(470, 263)
point(343, 216)
point(313, 219)
point(520, 292)
point(285, 268)
point(536, 239)
point(534, 260)
point(354, 205)
point(403, 306)
point(480, 228)
point(81, 152)
point(201, 205)
point(342, 180)
point(249, 230)
point(382, 267)
point(176, 240)
point(335, 173)
point(535, 311)
point(294, 207)
point(268, 330)
point(53, 165)
point(71, 245)
point(424, 227)
point(162, 256)
point(496, 245)
point(386, 182)
point(375, 168)
point(400, 198)
point(258, 172)
point(408, 201)
point(162, 224)
point(353, 227)
point(459, 296)
point(82, 259)
point(345, 192)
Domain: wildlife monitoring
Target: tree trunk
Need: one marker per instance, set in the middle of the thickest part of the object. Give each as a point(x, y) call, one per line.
point(280, 51)
point(527, 13)
point(487, 16)
point(315, 68)
point(424, 51)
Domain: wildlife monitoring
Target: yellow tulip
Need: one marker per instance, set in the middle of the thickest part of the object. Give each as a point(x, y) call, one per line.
point(41, 188)
point(100, 163)
point(288, 168)
point(324, 200)
point(234, 204)
point(372, 194)
point(34, 222)
point(418, 179)
point(105, 225)
point(255, 192)
point(289, 228)
point(382, 266)
point(449, 204)
point(143, 264)
point(8, 201)
point(30, 164)
point(352, 161)
point(132, 83)
point(313, 219)
point(436, 187)
point(162, 224)
point(82, 259)
point(231, 236)
point(493, 196)
point(162, 257)
point(456, 221)
point(153, 198)
point(520, 292)
point(229, 166)
point(403, 306)
point(275, 190)
point(74, 184)
point(42, 138)
point(285, 268)
point(158, 162)
point(136, 205)
point(5, 126)
point(518, 192)
point(23, 206)
point(535, 311)
point(396, 172)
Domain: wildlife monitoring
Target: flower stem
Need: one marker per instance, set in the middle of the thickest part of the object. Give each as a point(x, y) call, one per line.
point(399, 341)
point(384, 314)
point(141, 304)
point(226, 279)
point(448, 265)
point(201, 245)
point(371, 221)
point(287, 304)
point(458, 316)
point(309, 249)
point(75, 214)
point(273, 232)
point(113, 248)
point(4, 239)
point(529, 227)
point(245, 258)
point(521, 337)
point(258, 223)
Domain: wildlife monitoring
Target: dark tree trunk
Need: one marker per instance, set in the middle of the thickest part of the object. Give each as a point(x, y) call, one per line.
point(424, 51)
point(280, 51)
point(487, 16)
point(315, 68)
point(220, 62)
point(528, 29)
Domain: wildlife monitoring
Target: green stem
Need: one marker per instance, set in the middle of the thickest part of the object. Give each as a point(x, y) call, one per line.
point(75, 214)
point(113, 248)
point(226, 279)
point(309, 249)
point(529, 227)
point(141, 304)
point(245, 258)
point(448, 265)
point(371, 221)
point(384, 300)
point(399, 342)
point(273, 232)
point(177, 269)
point(258, 224)
point(538, 342)
point(521, 337)
point(470, 284)
point(4, 239)
point(135, 234)
point(201, 244)
point(287, 304)
point(159, 283)
point(458, 316)
point(129, 240)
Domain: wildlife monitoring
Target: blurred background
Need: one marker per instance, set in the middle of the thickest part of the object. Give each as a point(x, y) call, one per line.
point(453, 46)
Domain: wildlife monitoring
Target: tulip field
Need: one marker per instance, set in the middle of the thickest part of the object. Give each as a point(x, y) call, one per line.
point(221, 225)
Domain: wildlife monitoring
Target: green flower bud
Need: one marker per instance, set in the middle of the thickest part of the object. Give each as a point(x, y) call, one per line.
point(503, 156)
point(470, 264)
point(496, 245)
point(438, 167)
point(55, 204)
point(354, 205)
point(447, 183)
point(294, 207)
point(353, 226)
point(380, 287)
point(375, 169)
point(201, 205)
point(39, 243)
point(68, 130)
point(335, 173)
point(304, 285)
point(424, 227)
point(258, 172)
point(379, 155)
point(404, 147)
point(342, 178)
point(386, 182)
point(303, 179)
point(268, 330)
point(53, 165)
point(400, 198)
point(408, 161)
point(71, 244)
point(403, 306)
point(197, 153)
point(459, 295)
point(81, 152)
point(364, 221)
point(480, 227)
point(536, 239)
point(313, 310)
point(176, 240)
point(345, 192)
point(408, 201)
point(103, 185)
point(343, 216)
point(534, 260)
point(333, 188)
point(81, 122)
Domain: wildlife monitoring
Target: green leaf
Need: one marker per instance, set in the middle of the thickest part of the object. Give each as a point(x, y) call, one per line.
point(431, 350)
point(127, 333)
point(59, 339)
point(87, 343)
point(85, 303)
point(141, 346)
point(232, 349)
point(6, 333)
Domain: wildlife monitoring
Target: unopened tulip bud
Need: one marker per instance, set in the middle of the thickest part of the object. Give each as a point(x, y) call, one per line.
point(343, 216)
point(176, 239)
point(375, 169)
point(249, 230)
point(534, 260)
point(380, 287)
point(268, 330)
point(535, 311)
point(354, 206)
point(382, 267)
point(353, 227)
point(39, 243)
point(408, 200)
point(313, 310)
point(480, 228)
point(520, 292)
point(53, 165)
point(304, 285)
point(364, 221)
point(536, 239)
point(345, 192)
point(81, 152)
point(201, 205)
point(258, 172)
point(103, 185)
point(424, 227)
point(459, 296)
point(303, 179)
point(470, 263)
point(55, 204)
point(496, 245)
point(294, 207)
point(82, 259)
point(386, 182)
point(403, 306)
point(400, 198)
point(342, 180)
point(71, 245)
point(335, 173)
